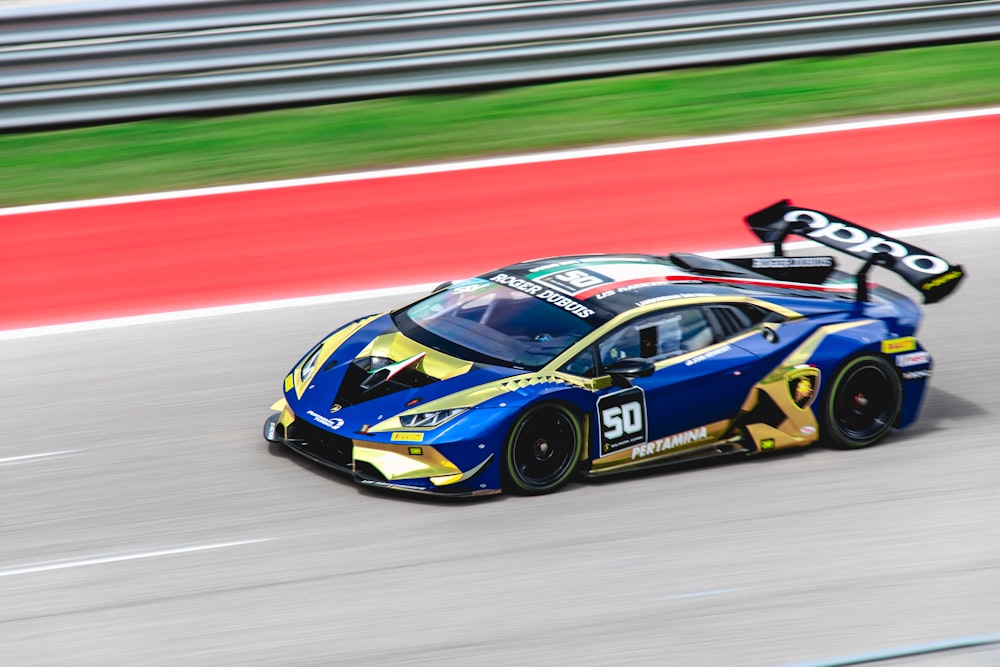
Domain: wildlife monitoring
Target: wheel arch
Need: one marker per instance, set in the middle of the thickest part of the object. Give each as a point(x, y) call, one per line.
point(582, 415)
point(840, 436)
point(580, 421)
point(840, 348)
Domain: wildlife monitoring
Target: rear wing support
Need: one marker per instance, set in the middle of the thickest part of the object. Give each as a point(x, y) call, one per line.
point(878, 259)
point(931, 275)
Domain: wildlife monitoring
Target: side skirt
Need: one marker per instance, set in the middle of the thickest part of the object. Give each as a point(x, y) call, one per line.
point(720, 449)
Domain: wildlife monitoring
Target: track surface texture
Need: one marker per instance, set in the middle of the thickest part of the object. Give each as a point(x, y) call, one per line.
point(146, 522)
point(168, 532)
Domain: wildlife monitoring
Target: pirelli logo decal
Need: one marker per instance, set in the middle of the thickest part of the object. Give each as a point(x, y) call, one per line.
point(897, 345)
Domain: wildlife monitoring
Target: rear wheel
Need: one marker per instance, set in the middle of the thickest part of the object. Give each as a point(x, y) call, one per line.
point(542, 449)
point(863, 403)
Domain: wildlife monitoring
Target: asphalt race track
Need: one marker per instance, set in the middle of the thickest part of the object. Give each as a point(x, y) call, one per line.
point(160, 529)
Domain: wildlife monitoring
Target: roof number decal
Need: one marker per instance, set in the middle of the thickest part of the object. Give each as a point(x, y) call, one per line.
point(573, 281)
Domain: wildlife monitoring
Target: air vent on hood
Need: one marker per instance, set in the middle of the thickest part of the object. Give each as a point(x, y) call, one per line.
point(362, 384)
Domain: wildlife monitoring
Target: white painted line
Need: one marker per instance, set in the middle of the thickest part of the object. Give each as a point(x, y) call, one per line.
point(216, 311)
point(117, 558)
point(513, 160)
point(29, 457)
point(405, 290)
point(701, 594)
point(907, 652)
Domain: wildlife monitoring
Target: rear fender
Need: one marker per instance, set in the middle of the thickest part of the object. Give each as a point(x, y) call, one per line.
point(911, 361)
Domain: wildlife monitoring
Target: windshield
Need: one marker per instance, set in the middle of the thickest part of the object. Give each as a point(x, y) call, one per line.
point(484, 321)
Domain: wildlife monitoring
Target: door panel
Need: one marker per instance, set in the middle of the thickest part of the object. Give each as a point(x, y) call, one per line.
point(696, 390)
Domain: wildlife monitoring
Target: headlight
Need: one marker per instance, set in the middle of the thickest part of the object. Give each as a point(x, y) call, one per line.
point(429, 419)
point(309, 365)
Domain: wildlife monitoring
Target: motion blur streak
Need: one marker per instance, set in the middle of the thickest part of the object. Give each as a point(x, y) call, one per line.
point(177, 254)
point(35, 457)
point(117, 558)
point(903, 652)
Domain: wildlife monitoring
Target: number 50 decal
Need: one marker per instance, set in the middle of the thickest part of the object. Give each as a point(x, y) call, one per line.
point(574, 281)
point(579, 279)
point(622, 418)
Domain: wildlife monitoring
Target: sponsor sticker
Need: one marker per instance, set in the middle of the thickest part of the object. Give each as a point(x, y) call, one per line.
point(896, 345)
point(289, 382)
point(940, 280)
point(854, 239)
point(331, 423)
point(708, 355)
point(402, 436)
point(767, 443)
point(791, 262)
point(913, 359)
point(544, 293)
point(670, 442)
point(622, 419)
point(917, 375)
point(520, 284)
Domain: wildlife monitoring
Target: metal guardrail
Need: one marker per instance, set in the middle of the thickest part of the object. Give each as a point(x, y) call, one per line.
point(78, 64)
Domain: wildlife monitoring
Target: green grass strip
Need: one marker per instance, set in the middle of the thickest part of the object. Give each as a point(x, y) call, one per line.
point(174, 153)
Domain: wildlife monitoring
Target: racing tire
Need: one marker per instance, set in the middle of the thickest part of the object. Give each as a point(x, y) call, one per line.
point(542, 449)
point(863, 403)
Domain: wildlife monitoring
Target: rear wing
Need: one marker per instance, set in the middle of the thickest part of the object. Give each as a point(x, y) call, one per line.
point(934, 277)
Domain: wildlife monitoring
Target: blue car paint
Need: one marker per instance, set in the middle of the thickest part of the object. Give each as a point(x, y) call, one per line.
point(681, 396)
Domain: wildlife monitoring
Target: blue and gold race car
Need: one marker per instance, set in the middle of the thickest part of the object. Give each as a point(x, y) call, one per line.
point(592, 365)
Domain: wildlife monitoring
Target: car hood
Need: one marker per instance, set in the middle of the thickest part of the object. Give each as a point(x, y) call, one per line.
point(369, 372)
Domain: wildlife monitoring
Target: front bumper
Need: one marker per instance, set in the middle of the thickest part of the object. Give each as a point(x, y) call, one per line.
point(399, 467)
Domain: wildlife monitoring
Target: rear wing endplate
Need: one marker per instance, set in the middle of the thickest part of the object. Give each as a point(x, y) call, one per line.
point(931, 275)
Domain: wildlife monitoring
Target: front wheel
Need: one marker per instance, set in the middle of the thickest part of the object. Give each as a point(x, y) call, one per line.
point(863, 403)
point(542, 449)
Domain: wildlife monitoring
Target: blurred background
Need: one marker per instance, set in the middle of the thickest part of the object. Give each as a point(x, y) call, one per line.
point(146, 521)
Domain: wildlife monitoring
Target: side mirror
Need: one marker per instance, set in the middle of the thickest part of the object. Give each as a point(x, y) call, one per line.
point(769, 332)
point(632, 367)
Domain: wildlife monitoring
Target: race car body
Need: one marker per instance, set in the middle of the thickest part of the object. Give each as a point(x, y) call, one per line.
point(522, 377)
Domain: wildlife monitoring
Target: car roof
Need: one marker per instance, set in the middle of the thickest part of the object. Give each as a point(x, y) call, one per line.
point(608, 285)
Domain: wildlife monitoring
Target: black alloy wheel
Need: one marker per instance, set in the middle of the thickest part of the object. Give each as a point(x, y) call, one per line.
point(863, 403)
point(542, 449)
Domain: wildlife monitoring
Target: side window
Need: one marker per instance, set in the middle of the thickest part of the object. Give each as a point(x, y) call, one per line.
point(582, 364)
point(658, 336)
point(733, 319)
